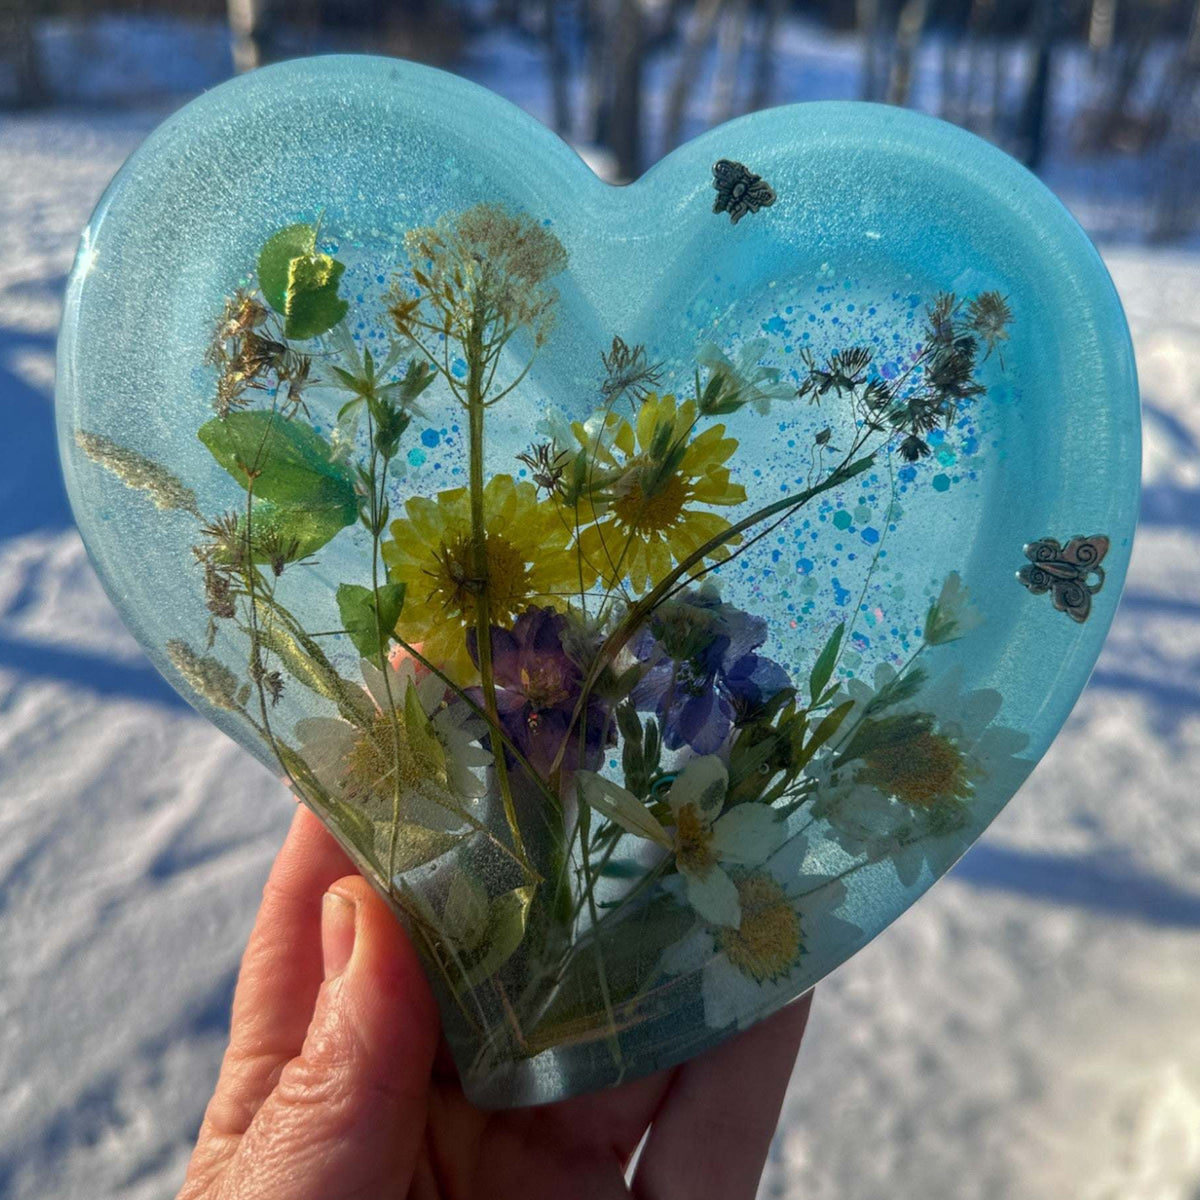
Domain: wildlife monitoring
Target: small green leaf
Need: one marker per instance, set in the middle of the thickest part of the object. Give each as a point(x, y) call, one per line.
point(363, 625)
point(275, 261)
point(825, 663)
point(465, 917)
point(631, 951)
point(504, 933)
point(313, 305)
point(415, 846)
point(350, 825)
point(301, 283)
point(826, 728)
point(290, 462)
point(428, 753)
point(291, 532)
point(622, 806)
point(622, 868)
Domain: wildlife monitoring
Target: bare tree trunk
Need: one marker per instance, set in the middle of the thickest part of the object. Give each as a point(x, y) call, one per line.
point(626, 134)
point(598, 71)
point(1102, 23)
point(18, 36)
point(1113, 120)
point(729, 57)
point(867, 14)
point(556, 56)
point(909, 29)
point(699, 32)
point(949, 104)
point(999, 84)
point(505, 12)
point(764, 58)
point(979, 19)
point(248, 23)
point(1172, 103)
point(1035, 109)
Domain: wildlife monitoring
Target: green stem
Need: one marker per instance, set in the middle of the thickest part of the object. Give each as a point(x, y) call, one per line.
point(377, 485)
point(479, 571)
point(638, 612)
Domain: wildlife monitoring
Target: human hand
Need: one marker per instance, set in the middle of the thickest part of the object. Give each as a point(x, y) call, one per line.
point(334, 1086)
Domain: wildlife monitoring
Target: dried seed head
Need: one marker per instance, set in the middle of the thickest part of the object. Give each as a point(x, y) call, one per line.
point(137, 471)
point(205, 675)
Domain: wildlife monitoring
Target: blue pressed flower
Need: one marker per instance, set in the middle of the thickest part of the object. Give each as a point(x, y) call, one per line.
point(702, 670)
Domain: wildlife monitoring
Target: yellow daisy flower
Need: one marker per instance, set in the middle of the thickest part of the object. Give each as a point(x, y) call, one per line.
point(642, 516)
point(430, 552)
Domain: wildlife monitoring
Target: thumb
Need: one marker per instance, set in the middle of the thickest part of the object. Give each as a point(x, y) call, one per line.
point(347, 1116)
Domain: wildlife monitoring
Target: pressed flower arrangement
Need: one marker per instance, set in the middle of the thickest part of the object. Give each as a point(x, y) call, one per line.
point(598, 690)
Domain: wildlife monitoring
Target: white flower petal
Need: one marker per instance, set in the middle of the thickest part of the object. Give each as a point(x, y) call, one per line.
point(702, 783)
point(688, 954)
point(430, 691)
point(373, 678)
point(749, 834)
point(623, 807)
point(714, 896)
point(729, 996)
point(324, 744)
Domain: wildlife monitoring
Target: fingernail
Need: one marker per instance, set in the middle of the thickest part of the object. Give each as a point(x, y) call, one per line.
point(337, 933)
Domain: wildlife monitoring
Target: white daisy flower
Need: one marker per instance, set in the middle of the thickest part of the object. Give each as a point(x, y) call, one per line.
point(787, 939)
point(704, 842)
point(914, 782)
point(440, 778)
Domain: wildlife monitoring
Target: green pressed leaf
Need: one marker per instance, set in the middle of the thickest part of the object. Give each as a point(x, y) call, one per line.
point(350, 825)
point(415, 845)
point(465, 917)
point(357, 606)
point(275, 261)
point(502, 935)
point(630, 952)
point(622, 868)
point(826, 728)
point(427, 750)
point(301, 283)
point(825, 663)
point(293, 531)
point(618, 804)
point(291, 462)
point(313, 305)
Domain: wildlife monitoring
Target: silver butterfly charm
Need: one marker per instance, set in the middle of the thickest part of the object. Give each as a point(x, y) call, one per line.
point(1066, 572)
point(739, 190)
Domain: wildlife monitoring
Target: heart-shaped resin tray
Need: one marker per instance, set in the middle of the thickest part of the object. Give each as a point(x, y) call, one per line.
point(655, 589)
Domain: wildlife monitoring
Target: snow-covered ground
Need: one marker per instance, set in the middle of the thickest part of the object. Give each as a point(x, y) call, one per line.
point(1031, 1029)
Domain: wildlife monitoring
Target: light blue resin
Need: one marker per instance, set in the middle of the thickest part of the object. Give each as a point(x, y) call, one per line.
point(877, 210)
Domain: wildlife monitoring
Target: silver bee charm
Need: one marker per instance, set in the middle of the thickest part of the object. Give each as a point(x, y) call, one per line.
point(739, 190)
point(1071, 574)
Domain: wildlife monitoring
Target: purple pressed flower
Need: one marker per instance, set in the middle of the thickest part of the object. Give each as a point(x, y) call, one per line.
point(702, 670)
point(537, 688)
